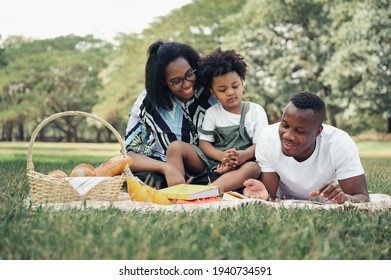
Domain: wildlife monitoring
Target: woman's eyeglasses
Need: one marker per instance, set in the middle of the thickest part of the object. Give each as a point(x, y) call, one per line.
point(178, 83)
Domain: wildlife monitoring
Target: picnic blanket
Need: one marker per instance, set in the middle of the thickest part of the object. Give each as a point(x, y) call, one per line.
point(378, 202)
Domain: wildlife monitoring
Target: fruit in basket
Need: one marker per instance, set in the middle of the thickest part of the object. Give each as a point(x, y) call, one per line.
point(83, 170)
point(114, 166)
point(59, 174)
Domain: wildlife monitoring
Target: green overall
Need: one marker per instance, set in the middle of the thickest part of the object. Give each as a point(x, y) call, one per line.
point(234, 136)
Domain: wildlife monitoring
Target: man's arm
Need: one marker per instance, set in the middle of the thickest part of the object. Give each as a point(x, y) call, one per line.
point(355, 188)
point(347, 160)
point(270, 180)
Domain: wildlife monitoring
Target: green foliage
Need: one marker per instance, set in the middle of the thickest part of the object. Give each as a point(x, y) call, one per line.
point(359, 69)
point(338, 49)
point(285, 48)
point(199, 24)
point(44, 77)
point(123, 80)
point(3, 62)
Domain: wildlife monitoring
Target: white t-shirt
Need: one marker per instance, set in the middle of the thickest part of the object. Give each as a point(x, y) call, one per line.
point(217, 116)
point(335, 158)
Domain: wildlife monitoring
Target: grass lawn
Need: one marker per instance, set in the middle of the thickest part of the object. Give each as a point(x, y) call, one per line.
point(248, 232)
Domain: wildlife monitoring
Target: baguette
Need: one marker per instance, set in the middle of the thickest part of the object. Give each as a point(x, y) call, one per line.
point(113, 167)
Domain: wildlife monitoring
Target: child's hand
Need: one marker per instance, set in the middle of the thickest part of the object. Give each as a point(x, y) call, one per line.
point(222, 168)
point(234, 158)
point(230, 158)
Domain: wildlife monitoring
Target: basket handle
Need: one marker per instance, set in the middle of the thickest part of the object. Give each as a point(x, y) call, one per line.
point(30, 165)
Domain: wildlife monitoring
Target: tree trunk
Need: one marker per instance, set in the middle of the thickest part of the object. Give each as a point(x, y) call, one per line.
point(9, 129)
point(20, 132)
point(333, 120)
point(2, 133)
point(70, 133)
point(98, 138)
point(330, 109)
point(389, 125)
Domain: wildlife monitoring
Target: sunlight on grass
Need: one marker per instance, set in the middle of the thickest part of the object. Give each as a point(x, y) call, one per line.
point(374, 148)
point(366, 148)
point(45, 148)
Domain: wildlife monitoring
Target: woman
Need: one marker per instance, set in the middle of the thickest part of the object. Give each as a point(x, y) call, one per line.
point(170, 108)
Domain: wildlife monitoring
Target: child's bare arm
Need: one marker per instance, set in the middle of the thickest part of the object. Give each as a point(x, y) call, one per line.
point(210, 151)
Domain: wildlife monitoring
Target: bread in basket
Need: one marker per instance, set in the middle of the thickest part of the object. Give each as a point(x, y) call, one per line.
point(51, 189)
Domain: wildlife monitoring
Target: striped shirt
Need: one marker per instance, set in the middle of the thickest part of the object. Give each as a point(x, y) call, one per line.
point(151, 129)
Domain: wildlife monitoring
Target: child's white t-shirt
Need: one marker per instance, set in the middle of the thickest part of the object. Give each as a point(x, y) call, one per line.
point(217, 116)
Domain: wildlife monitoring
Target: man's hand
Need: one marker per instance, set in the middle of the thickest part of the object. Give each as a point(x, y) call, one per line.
point(255, 189)
point(331, 191)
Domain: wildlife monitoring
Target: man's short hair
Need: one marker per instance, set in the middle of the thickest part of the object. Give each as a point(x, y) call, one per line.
point(307, 100)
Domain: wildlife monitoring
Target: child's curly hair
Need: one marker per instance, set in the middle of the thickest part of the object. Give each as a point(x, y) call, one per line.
point(218, 63)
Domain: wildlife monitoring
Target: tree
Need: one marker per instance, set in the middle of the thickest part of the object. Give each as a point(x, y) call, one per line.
point(359, 69)
point(3, 62)
point(199, 24)
point(285, 44)
point(44, 77)
point(338, 49)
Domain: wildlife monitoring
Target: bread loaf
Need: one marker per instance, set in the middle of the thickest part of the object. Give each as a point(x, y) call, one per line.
point(114, 166)
point(59, 174)
point(83, 170)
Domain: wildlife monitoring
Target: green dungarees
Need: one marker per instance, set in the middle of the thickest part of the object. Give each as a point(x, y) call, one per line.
point(234, 136)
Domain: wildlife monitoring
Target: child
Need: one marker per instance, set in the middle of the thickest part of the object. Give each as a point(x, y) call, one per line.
point(226, 141)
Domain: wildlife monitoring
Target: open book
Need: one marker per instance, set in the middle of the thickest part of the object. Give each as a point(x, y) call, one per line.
point(190, 192)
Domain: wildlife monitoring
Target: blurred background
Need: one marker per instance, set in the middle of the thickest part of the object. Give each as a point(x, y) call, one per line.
point(338, 49)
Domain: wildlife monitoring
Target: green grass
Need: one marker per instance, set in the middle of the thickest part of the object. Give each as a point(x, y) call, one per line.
point(247, 232)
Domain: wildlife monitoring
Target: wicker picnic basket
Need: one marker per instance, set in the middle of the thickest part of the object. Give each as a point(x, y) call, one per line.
point(47, 189)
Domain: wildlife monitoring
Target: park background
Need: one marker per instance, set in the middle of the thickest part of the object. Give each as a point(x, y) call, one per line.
point(337, 49)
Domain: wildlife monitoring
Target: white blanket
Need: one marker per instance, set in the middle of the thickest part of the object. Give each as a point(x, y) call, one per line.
point(379, 202)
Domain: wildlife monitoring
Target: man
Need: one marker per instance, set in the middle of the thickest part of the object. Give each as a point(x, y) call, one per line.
point(302, 158)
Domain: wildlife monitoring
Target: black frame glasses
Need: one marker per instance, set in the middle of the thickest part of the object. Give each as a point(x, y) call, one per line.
point(178, 83)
